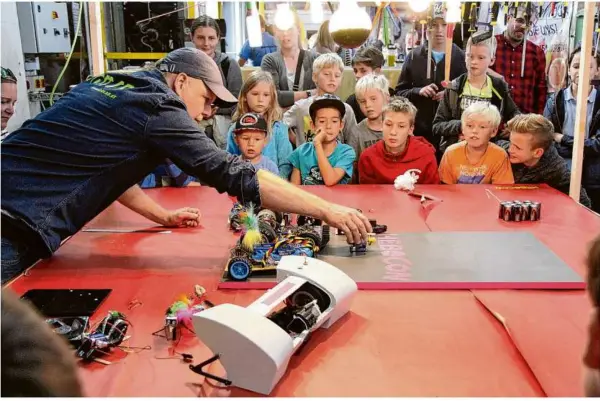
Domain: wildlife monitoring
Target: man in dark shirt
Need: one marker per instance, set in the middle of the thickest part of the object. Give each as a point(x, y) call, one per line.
point(62, 168)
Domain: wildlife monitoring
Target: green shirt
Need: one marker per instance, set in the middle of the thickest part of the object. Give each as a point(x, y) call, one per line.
point(471, 94)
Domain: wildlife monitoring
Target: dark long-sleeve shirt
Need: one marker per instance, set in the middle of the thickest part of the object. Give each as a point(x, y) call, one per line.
point(62, 168)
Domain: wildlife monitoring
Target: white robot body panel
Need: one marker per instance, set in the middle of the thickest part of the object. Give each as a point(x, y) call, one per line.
point(255, 343)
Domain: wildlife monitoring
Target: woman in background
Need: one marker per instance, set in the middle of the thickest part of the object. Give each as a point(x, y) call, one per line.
point(9, 98)
point(290, 66)
point(206, 36)
point(326, 44)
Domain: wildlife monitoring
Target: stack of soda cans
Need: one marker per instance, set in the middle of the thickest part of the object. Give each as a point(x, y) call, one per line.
point(520, 211)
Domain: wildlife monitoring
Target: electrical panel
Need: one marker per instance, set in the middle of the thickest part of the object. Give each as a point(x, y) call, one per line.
point(44, 27)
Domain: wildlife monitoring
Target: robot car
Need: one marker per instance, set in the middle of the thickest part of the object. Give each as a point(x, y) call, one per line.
point(278, 238)
point(301, 241)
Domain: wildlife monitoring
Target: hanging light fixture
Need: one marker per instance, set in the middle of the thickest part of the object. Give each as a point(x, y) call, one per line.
point(316, 11)
point(253, 27)
point(350, 25)
point(211, 8)
point(419, 6)
point(453, 13)
point(284, 17)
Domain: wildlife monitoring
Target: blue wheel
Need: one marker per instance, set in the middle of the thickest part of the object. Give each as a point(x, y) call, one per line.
point(239, 269)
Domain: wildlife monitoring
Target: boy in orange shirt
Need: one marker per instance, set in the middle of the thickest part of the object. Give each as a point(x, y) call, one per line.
point(475, 160)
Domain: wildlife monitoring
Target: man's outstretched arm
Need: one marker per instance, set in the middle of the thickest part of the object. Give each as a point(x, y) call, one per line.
point(137, 200)
point(172, 132)
point(279, 195)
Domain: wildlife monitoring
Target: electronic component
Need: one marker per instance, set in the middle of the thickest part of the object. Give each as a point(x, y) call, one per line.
point(108, 334)
point(44, 27)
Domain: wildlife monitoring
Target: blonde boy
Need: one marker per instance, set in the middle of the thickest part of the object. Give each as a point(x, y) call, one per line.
point(476, 86)
point(372, 93)
point(327, 75)
point(475, 160)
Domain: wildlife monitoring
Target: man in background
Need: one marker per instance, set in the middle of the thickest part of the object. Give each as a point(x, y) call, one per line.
point(256, 54)
point(528, 91)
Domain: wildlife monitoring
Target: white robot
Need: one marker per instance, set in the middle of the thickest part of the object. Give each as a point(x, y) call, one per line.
point(255, 343)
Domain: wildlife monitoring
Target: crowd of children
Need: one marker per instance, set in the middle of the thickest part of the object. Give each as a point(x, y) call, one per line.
point(471, 132)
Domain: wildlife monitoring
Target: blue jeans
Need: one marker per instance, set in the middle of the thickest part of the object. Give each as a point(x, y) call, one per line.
point(16, 258)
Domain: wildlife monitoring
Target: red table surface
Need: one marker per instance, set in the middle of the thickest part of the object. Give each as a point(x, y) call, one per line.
point(393, 343)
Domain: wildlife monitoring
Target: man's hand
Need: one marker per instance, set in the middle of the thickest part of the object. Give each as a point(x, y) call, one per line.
point(429, 90)
point(558, 137)
point(138, 201)
point(184, 217)
point(281, 196)
point(355, 225)
point(439, 96)
point(319, 136)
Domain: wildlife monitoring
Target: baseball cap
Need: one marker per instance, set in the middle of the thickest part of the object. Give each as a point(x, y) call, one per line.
point(197, 64)
point(250, 122)
point(327, 101)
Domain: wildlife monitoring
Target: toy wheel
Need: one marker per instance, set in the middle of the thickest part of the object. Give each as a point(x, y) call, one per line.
point(268, 233)
point(310, 234)
point(239, 268)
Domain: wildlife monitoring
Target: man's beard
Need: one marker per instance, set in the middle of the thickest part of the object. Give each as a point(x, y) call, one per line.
point(591, 382)
point(512, 34)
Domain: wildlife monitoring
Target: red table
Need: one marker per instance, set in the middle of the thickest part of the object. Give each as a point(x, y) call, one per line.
point(393, 343)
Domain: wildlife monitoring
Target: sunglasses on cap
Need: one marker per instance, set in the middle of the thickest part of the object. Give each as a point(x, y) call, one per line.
point(7, 75)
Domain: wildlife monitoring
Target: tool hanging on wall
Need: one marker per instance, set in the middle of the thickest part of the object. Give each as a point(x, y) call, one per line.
point(411, 41)
point(463, 7)
point(513, 9)
point(494, 16)
point(429, 22)
point(527, 16)
point(472, 16)
point(482, 30)
point(423, 24)
point(452, 18)
point(597, 30)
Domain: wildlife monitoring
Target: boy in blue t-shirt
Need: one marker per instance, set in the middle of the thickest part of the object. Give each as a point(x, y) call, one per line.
point(250, 134)
point(324, 160)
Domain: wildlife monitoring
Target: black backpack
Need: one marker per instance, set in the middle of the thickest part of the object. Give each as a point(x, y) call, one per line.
point(225, 68)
